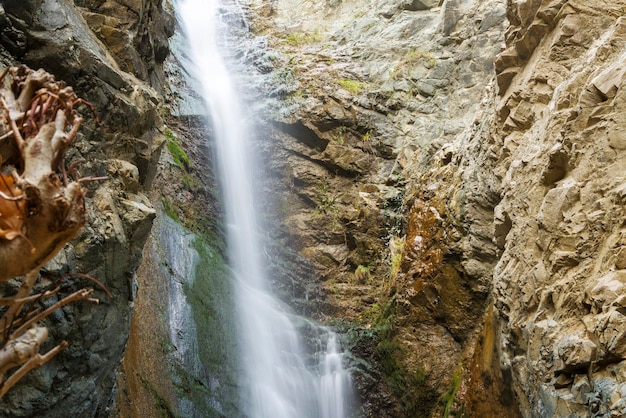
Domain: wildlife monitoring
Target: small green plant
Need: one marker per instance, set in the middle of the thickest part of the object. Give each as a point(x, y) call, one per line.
point(372, 314)
point(416, 56)
point(447, 399)
point(362, 273)
point(326, 200)
point(367, 136)
point(394, 269)
point(339, 137)
point(396, 248)
point(352, 86)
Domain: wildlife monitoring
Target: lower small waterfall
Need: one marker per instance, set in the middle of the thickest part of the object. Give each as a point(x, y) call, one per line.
point(282, 377)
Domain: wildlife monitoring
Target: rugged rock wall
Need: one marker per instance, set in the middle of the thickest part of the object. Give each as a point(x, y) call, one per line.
point(466, 230)
point(111, 53)
point(561, 152)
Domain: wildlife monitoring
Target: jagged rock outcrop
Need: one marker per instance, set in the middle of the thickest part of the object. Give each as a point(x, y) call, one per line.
point(559, 284)
point(114, 63)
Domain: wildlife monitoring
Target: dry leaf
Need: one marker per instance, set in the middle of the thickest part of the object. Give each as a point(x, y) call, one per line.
point(11, 210)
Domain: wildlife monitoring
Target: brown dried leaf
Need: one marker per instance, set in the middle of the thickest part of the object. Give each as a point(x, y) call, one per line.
point(11, 211)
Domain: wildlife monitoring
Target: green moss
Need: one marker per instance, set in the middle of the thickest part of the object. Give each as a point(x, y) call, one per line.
point(179, 156)
point(209, 293)
point(352, 86)
point(190, 182)
point(170, 209)
point(211, 297)
point(160, 403)
point(406, 383)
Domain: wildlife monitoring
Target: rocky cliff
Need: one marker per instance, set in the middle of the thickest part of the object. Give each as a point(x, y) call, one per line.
point(445, 180)
point(111, 52)
point(453, 173)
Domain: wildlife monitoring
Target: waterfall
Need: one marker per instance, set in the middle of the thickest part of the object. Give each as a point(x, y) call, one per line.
point(281, 378)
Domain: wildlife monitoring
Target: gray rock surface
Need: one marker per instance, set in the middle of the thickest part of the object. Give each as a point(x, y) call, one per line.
point(376, 159)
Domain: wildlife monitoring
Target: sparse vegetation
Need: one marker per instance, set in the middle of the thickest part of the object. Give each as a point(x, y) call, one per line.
point(362, 274)
point(326, 200)
point(303, 38)
point(170, 209)
point(417, 56)
point(352, 86)
point(339, 137)
point(447, 399)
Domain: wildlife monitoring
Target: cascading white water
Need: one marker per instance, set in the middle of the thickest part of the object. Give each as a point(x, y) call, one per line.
point(278, 381)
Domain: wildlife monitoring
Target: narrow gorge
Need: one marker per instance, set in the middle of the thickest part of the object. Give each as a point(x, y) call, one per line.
point(440, 196)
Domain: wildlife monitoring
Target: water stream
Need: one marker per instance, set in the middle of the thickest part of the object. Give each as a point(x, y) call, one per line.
point(282, 377)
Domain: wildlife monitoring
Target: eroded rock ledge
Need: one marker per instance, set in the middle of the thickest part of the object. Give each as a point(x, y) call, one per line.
point(378, 158)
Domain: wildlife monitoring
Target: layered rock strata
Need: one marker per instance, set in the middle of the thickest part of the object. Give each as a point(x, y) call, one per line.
point(422, 191)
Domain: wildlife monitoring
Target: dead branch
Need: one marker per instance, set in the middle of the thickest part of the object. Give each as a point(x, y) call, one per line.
point(22, 344)
point(19, 350)
point(36, 360)
point(25, 288)
point(82, 294)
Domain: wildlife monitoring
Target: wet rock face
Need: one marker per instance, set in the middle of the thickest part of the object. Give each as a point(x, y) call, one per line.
point(559, 284)
point(377, 157)
point(114, 63)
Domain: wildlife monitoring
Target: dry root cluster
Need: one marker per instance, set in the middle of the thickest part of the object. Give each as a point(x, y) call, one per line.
point(42, 206)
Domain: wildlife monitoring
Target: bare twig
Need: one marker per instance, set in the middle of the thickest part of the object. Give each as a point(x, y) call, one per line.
point(93, 279)
point(24, 290)
point(35, 361)
point(82, 294)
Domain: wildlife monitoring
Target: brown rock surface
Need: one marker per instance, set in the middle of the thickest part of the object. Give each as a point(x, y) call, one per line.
point(558, 284)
